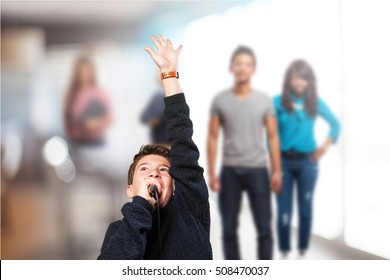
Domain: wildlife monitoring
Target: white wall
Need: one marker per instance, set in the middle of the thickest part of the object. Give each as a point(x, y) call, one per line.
point(353, 187)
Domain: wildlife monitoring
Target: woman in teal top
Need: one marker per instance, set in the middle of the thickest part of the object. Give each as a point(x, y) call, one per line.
point(297, 110)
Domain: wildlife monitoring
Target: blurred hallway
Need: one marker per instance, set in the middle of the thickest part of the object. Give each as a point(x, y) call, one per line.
point(37, 233)
point(321, 248)
point(60, 221)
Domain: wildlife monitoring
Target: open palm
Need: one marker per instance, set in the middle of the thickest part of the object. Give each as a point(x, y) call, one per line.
point(166, 57)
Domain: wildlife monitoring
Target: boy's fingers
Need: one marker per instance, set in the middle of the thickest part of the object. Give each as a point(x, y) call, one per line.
point(155, 42)
point(169, 43)
point(161, 39)
point(151, 52)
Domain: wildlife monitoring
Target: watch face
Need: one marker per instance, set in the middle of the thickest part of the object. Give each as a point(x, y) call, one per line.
point(165, 75)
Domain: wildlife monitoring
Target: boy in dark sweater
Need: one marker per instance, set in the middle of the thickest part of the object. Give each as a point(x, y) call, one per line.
point(183, 231)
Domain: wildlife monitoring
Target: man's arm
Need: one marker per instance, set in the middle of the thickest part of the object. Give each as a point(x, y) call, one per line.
point(274, 146)
point(147, 113)
point(153, 112)
point(126, 240)
point(212, 149)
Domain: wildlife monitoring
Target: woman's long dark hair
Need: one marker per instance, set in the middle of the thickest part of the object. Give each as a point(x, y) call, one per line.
point(74, 87)
point(303, 69)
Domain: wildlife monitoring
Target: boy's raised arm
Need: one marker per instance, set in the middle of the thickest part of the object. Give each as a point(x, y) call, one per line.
point(184, 152)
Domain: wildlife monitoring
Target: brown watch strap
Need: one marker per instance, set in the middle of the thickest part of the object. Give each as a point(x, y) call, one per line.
point(166, 75)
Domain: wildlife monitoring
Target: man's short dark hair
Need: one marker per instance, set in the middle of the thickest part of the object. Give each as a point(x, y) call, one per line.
point(151, 149)
point(243, 50)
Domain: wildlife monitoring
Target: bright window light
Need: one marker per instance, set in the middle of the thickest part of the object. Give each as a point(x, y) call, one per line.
point(367, 156)
point(278, 34)
point(55, 151)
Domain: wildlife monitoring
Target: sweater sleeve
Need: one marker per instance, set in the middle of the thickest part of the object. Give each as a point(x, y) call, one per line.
point(126, 239)
point(185, 170)
point(331, 119)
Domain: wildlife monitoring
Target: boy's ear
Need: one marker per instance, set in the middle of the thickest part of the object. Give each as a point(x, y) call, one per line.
point(130, 193)
point(173, 185)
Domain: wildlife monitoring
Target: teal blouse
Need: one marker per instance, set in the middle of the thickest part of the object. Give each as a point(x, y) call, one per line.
point(296, 129)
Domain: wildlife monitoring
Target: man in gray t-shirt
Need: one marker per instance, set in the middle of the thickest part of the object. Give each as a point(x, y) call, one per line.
point(243, 130)
point(247, 119)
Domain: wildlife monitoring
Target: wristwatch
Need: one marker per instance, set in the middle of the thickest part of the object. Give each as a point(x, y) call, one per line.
point(166, 75)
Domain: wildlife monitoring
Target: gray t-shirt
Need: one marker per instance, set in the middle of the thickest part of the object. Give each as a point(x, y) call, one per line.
point(242, 122)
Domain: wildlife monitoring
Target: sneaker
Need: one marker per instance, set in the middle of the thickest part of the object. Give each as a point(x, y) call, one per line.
point(301, 255)
point(284, 256)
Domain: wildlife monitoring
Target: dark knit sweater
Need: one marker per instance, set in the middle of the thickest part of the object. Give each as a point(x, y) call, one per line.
point(185, 221)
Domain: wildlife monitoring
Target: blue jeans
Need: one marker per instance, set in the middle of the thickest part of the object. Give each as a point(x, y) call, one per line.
point(303, 173)
point(235, 180)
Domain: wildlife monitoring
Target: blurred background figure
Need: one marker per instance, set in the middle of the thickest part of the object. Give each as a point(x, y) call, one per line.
point(153, 116)
point(297, 109)
point(87, 108)
point(245, 116)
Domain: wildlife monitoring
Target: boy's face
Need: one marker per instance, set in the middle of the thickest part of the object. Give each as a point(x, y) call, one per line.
point(243, 68)
point(152, 170)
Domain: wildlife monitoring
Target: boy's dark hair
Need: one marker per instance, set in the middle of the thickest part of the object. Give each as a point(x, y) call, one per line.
point(243, 50)
point(151, 149)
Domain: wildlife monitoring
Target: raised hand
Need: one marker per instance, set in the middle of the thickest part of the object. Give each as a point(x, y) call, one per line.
point(166, 57)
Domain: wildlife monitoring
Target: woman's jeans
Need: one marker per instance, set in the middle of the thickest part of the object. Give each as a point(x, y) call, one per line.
point(234, 181)
point(302, 173)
